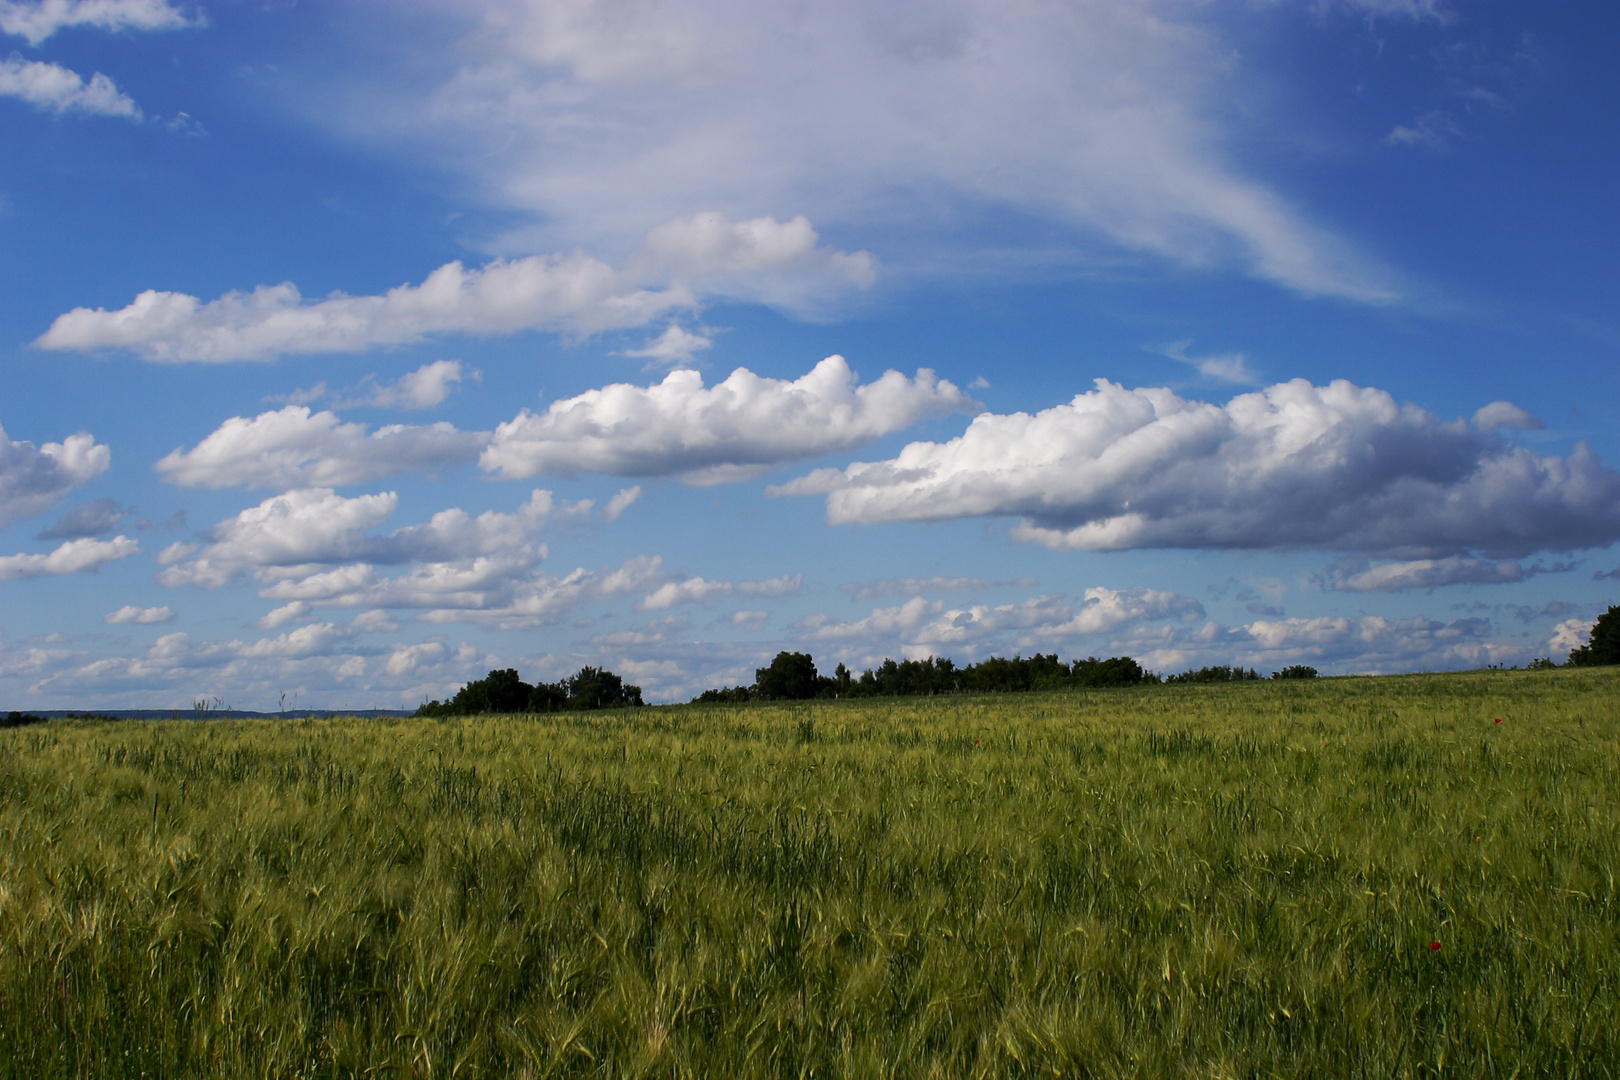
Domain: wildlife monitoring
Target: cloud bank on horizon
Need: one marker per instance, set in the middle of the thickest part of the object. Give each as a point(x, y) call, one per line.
point(1016, 201)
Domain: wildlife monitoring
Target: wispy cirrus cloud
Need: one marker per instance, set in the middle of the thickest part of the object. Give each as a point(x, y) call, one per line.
point(1102, 120)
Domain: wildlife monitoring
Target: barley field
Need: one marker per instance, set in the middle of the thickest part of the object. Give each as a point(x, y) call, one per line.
point(1331, 878)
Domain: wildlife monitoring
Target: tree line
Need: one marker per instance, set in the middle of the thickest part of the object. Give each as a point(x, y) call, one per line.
point(503, 692)
point(792, 676)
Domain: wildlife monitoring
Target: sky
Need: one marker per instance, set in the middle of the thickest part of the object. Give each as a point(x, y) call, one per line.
point(349, 350)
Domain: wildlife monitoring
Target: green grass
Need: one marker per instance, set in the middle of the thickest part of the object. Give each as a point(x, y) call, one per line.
point(1202, 881)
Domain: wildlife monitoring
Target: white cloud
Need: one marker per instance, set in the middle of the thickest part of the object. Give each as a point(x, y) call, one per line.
point(93, 518)
point(1569, 635)
point(698, 591)
point(921, 627)
point(309, 549)
point(921, 586)
point(1433, 573)
point(706, 435)
point(1222, 367)
point(53, 88)
point(423, 388)
point(621, 502)
point(38, 21)
point(31, 478)
point(140, 616)
point(71, 557)
point(292, 447)
point(1433, 130)
point(292, 534)
point(1104, 125)
point(679, 265)
point(1371, 643)
point(1504, 414)
point(1294, 466)
point(673, 347)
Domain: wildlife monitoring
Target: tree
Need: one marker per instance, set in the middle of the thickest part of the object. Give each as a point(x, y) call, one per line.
point(790, 677)
point(503, 692)
point(599, 688)
point(1603, 646)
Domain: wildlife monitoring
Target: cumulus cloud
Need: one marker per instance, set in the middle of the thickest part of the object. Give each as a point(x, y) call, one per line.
point(1504, 414)
point(922, 627)
point(293, 447)
point(1433, 573)
point(32, 478)
point(621, 502)
point(95, 518)
point(312, 549)
point(38, 21)
point(293, 533)
point(1371, 643)
point(674, 346)
point(1293, 466)
point(72, 557)
point(139, 616)
point(1221, 367)
point(53, 88)
point(707, 435)
point(923, 586)
point(423, 388)
point(679, 265)
point(698, 591)
point(1569, 635)
point(1101, 124)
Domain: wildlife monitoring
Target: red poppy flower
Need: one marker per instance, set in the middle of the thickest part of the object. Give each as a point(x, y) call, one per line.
point(1434, 946)
point(1498, 719)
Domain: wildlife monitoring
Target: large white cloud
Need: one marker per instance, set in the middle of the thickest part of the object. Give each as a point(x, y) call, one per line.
point(678, 265)
point(1096, 124)
point(32, 478)
point(292, 447)
point(53, 88)
point(38, 20)
point(1294, 466)
point(708, 434)
point(704, 434)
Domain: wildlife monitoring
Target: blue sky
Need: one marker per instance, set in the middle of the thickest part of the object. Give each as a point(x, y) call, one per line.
point(349, 350)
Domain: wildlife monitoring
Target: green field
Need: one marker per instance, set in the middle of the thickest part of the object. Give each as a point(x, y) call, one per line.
point(1200, 881)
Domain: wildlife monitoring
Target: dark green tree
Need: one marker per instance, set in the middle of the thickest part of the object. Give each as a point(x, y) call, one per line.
point(1603, 647)
point(599, 688)
point(790, 677)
